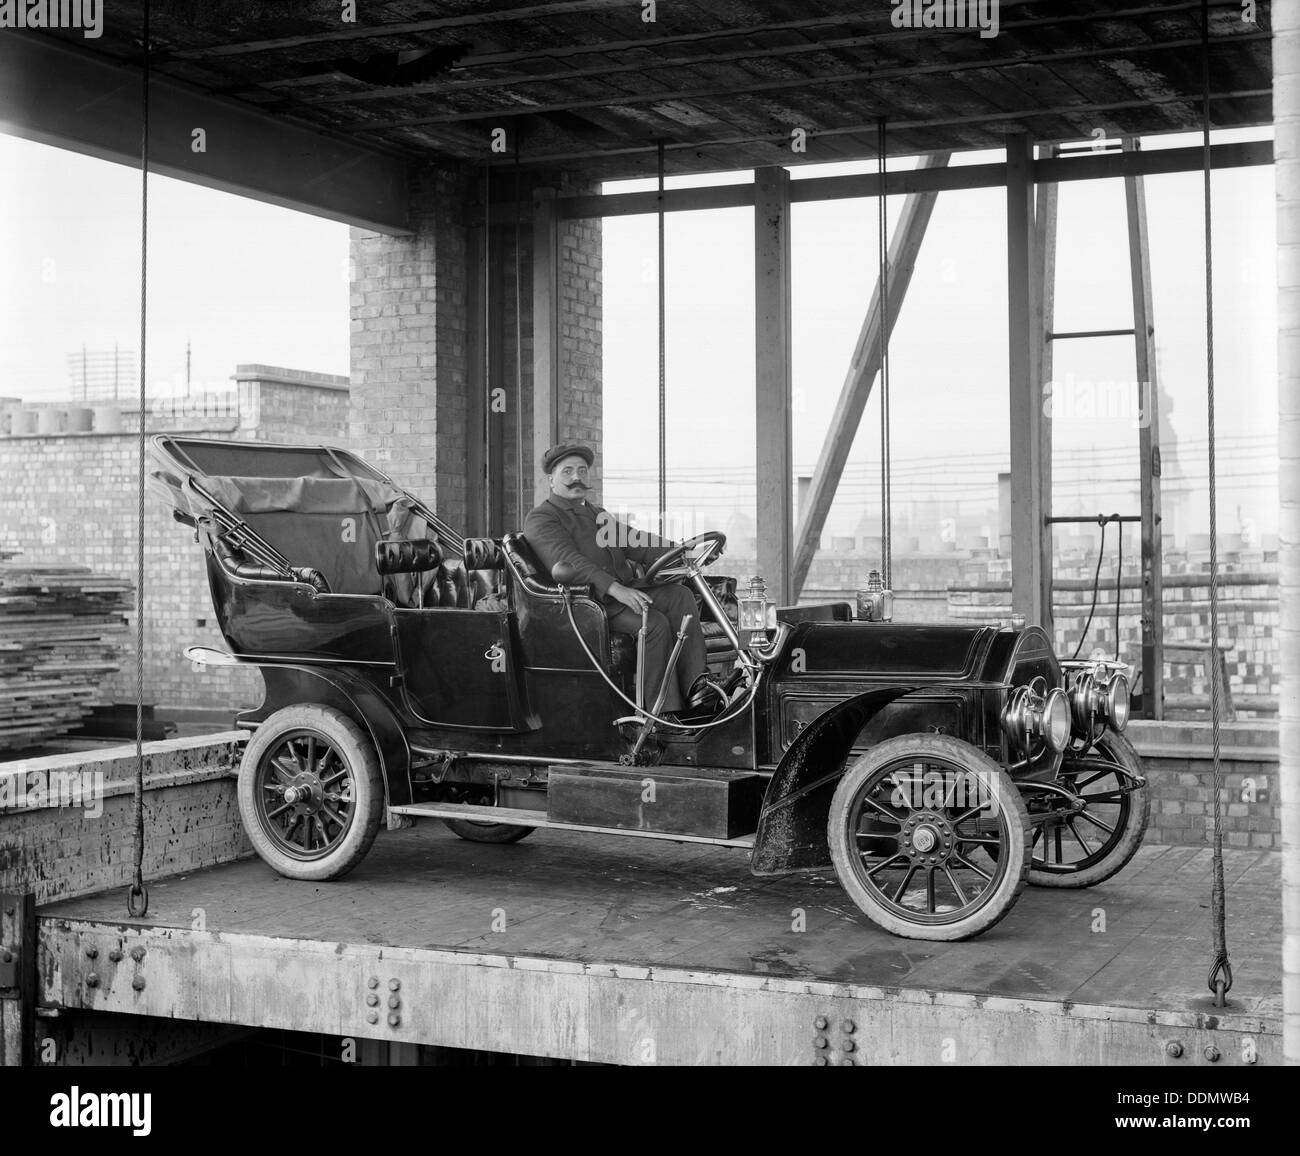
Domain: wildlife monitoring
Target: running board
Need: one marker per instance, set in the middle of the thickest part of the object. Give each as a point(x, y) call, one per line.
point(517, 817)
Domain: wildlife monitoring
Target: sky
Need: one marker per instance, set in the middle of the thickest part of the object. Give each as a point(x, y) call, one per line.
point(242, 281)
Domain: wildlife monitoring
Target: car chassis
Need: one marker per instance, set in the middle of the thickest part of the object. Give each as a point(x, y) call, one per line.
point(412, 672)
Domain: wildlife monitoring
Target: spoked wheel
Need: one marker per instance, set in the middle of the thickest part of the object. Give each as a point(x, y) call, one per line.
point(310, 792)
point(909, 827)
point(1080, 848)
point(477, 832)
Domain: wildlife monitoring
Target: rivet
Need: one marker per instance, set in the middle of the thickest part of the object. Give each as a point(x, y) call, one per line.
point(848, 1027)
point(1212, 1053)
point(394, 985)
point(92, 951)
point(137, 982)
point(115, 955)
point(137, 953)
point(847, 1046)
point(9, 911)
point(372, 1000)
point(819, 1041)
point(820, 1023)
point(846, 1063)
point(394, 1002)
point(92, 980)
point(373, 981)
point(394, 1019)
point(372, 1017)
point(1173, 1049)
point(7, 957)
point(819, 1061)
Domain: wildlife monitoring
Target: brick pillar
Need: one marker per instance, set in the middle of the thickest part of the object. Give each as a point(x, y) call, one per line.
point(419, 397)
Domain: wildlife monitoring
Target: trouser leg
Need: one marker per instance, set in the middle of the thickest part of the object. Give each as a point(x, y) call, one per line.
point(674, 601)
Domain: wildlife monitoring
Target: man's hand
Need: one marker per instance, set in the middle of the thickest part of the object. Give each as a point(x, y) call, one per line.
point(634, 600)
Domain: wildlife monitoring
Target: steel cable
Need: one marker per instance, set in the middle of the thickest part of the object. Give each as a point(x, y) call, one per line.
point(1220, 978)
point(137, 896)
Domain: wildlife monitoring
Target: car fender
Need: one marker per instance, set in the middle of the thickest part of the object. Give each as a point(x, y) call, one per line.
point(792, 826)
point(290, 685)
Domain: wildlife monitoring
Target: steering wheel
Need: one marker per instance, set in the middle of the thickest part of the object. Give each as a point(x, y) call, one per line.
point(670, 566)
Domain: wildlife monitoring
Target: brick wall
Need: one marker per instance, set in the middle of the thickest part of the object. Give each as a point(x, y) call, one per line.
point(71, 498)
point(419, 392)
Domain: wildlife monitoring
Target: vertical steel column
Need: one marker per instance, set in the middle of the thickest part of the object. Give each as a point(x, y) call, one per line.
point(1286, 150)
point(1044, 298)
point(476, 516)
point(546, 333)
point(17, 979)
point(774, 464)
point(1030, 575)
point(1139, 256)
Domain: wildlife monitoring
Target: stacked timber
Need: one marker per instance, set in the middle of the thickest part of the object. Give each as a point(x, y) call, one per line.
point(62, 630)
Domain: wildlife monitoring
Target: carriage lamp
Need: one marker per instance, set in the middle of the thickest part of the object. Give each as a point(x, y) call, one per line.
point(1034, 714)
point(1096, 697)
point(752, 612)
point(875, 603)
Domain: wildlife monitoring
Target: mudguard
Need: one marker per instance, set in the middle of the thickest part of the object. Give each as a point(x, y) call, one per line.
point(792, 827)
point(290, 685)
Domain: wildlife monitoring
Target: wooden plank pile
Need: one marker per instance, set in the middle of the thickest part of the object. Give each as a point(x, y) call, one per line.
point(62, 630)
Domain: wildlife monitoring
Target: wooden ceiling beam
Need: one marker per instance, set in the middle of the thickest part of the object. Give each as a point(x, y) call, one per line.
point(892, 36)
point(786, 84)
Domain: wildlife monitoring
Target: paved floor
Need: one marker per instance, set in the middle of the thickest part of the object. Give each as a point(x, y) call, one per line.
point(1141, 940)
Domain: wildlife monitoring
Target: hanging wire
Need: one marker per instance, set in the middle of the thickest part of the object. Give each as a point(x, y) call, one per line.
point(519, 357)
point(487, 349)
point(1096, 585)
point(137, 896)
point(663, 378)
point(1119, 582)
point(1220, 979)
point(886, 468)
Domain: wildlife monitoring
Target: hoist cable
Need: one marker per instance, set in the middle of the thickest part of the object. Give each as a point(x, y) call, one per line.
point(886, 466)
point(1096, 585)
point(663, 378)
point(519, 356)
point(137, 896)
point(1220, 978)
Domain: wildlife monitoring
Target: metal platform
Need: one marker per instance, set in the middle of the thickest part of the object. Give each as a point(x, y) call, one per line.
point(634, 951)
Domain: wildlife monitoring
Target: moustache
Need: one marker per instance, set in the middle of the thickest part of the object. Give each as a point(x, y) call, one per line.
point(579, 486)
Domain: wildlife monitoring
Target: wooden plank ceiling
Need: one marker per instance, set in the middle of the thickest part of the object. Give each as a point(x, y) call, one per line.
point(589, 85)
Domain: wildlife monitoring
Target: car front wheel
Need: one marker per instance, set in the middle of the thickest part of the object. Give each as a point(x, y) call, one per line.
point(911, 828)
point(310, 792)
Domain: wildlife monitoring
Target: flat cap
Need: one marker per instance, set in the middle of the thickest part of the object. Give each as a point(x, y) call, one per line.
point(559, 453)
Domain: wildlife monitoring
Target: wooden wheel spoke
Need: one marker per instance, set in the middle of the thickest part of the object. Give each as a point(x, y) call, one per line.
point(333, 815)
point(972, 867)
point(1078, 787)
point(285, 774)
point(929, 891)
point(310, 762)
point(952, 882)
point(890, 814)
point(280, 810)
point(887, 863)
point(1108, 797)
point(903, 885)
point(1096, 822)
point(1087, 851)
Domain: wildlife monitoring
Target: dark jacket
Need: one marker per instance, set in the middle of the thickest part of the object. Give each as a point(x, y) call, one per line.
point(600, 548)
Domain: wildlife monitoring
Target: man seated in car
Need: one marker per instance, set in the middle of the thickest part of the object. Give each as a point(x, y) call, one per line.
point(568, 528)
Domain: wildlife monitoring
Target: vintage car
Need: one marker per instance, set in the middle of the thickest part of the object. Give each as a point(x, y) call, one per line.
point(412, 672)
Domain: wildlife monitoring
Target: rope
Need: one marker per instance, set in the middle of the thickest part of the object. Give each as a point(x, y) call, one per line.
point(1220, 978)
point(519, 357)
point(1096, 585)
point(886, 467)
point(663, 355)
point(137, 896)
point(487, 349)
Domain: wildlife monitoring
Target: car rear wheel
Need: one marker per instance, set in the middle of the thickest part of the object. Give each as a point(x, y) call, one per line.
point(310, 792)
point(488, 832)
point(906, 826)
point(1086, 847)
